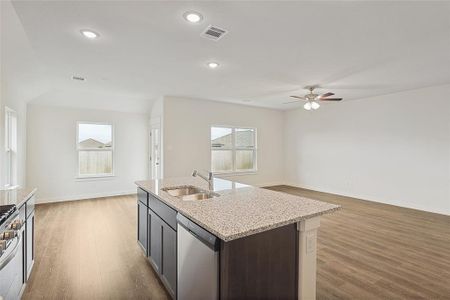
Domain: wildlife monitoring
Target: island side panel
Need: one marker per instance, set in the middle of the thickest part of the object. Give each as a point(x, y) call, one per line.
point(307, 257)
point(263, 265)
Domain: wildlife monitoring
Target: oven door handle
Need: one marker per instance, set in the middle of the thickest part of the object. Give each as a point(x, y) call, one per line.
point(13, 253)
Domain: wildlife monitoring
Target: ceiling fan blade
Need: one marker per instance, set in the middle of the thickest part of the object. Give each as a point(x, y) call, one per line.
point(298, 97)
point(331, 99)
point(291, 102)
point(325, 95)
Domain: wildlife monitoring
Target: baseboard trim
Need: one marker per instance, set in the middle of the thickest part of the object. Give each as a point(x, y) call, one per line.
point(83, 196)
point(267, 184)
point(363, 198)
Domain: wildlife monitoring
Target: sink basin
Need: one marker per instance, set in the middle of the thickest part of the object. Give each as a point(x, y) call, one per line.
point(182, 190)
point(199, 196)
point(189, 193)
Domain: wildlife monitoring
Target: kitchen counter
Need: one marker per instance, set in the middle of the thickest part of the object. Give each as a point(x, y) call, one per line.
point(16, 196)
point(241, 210)
point(17, 255)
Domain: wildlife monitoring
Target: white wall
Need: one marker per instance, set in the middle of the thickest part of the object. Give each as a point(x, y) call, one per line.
point(157, 109)
point(52, 156)
point(19, 74)
point(20, 107)
point(187, 125)
point(393, 149)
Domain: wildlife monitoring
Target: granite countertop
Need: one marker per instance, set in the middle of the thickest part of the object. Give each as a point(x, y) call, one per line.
point(241, 210)
point(16, 196)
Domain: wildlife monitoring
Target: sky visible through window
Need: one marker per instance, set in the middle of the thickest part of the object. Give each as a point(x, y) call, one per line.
point(101, 133)
point(217, 132)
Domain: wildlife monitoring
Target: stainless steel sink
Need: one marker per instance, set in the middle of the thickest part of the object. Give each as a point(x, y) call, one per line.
point(189, 193)
point(199, 196)
point(182, 190)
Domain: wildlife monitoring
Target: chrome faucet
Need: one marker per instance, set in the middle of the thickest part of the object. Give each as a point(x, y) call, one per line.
point(209, 178)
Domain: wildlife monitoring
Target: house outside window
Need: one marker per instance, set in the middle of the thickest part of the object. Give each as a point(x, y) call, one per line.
point(233, 149)
point(95, 147)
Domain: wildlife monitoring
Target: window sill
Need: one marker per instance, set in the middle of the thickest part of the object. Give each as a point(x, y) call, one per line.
point(229, 174)
point(9, 187)
point(95, 177)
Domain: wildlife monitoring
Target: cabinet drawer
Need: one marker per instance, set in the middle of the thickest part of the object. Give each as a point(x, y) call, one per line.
point(168, 214)
point(142, 196)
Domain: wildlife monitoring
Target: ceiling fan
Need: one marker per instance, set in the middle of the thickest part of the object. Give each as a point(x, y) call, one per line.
point(312, 98)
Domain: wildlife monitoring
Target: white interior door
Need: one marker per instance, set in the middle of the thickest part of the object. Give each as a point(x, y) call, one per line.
point(155, 150)
point(10, 148)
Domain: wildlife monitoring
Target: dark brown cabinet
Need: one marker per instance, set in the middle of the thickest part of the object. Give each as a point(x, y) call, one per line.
point(142, 228)
point(158, 237)
point(155, 229)
point(163, 251)
point(169, 259)
point(142, 196)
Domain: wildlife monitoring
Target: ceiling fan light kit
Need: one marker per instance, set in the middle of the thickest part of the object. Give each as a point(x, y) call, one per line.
point(311, 105)
point(312, 99)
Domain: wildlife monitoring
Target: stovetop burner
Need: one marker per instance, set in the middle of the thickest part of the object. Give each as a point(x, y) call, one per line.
point(5, 212)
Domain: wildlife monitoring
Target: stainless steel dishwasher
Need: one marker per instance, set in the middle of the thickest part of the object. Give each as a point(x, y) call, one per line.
point(197, 262)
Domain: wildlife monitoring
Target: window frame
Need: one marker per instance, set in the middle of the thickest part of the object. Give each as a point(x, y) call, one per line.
point(77, 150)
point(233, 150)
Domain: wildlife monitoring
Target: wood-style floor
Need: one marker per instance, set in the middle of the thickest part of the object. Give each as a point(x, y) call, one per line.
point(369, 250)
point(87, 250)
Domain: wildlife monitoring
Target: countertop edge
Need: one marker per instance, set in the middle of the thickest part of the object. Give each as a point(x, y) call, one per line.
point(244, 233)
point(28, 196)
point(16, 196)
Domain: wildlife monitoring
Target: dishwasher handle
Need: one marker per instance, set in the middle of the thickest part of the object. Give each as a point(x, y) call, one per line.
point(202, 234)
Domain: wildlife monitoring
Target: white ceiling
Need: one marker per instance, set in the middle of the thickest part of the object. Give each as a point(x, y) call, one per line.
point(272, 50)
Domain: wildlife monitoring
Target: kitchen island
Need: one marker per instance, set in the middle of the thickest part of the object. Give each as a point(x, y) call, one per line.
point(267, 239)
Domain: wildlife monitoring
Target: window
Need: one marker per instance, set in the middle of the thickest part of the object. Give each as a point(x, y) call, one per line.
point(233, 150)
point(95, 149)
point(10, 147)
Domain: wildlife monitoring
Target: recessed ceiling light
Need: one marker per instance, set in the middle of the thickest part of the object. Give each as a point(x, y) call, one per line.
point(193, 17)
point(89, 34)
point(213, 65)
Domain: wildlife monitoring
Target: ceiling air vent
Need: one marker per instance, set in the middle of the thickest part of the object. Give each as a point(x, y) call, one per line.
point(213, 33)
point(79, 78)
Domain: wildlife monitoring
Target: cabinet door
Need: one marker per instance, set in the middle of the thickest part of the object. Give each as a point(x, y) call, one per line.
point(169, 259)
point(29, 243)
point(143, 226)
point(155, 251)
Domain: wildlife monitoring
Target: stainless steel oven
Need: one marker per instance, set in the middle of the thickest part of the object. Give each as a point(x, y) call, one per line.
point(12, 244)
